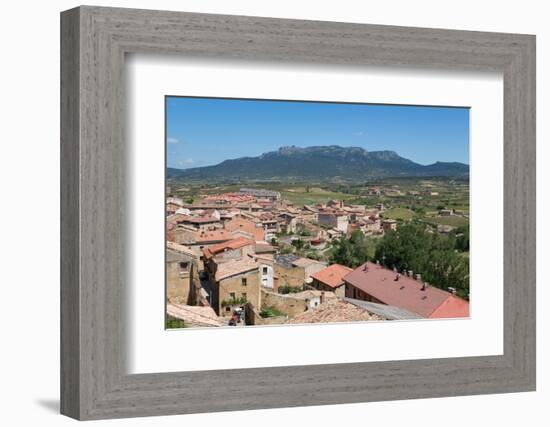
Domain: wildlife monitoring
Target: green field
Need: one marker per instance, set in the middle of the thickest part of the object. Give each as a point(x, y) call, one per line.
point(455, 221)
point(312, 195)
point(399, 214)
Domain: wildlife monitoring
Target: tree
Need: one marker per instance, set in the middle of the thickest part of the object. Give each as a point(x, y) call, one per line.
point(350, 252)
point(462, 234)
point(412, 247)
point(298, 244)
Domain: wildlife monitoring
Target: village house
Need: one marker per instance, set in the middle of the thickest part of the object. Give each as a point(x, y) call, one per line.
point(271, 228)
point(203, 239)
point(446, 212)
point(235, 283)
point(334, 233)
point(372, 226)
point(287, 222)
point(174, 200)
point(262, 194)
point(202, 223)
point(389, 224)
point(374, 191)
point(375, 283)
point(265, 265)
point(331, 279)
point(292, 270)
point(336, 220)
point(183, 211)
point(228, 198)
point(172, 208)
point(254, 229)
point(178, 275)
point(335, 204)
point(230, 250)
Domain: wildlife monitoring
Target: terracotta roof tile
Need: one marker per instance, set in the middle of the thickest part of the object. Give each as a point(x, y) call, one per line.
point(406, 293)
point(228, 269)
point(233, 244)
point(334, 310)
point(333, 275)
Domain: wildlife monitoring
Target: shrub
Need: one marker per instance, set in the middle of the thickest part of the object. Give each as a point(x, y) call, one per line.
point(285, 289)
point(271, 311)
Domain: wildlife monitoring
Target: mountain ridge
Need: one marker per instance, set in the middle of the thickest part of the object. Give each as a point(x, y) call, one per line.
point(325, 163)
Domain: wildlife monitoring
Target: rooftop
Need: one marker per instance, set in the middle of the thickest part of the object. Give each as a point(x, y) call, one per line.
point(202, 220)
point(233, 244)
point(194, 315)
point(233, 268)
point(386, 311)
point(306, 262)
point(334, 310)
point(333, 275)
point(212, 236)
point(181, 249)
point(286, 260)
point(406, 293)
point(291, 260)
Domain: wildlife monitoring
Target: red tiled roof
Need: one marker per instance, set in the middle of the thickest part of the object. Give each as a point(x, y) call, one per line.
point(202, 219)
point(212, 236)
point(229, 245)
point(332, 275)
point(247, 226)
point(379, 282)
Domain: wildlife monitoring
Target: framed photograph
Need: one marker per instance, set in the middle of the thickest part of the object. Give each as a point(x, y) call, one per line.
point(284, 213)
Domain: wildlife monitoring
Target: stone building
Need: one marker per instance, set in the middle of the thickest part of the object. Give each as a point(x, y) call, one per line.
point(331, 279)
point(178, 276)
point(235, 284)
point(334, 220)
point(292, 270)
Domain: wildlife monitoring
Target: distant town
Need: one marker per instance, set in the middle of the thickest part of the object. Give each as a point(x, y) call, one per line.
point(268, 253)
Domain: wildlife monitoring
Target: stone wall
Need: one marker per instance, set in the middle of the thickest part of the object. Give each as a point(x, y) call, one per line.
point(293, 276)
point(234, 284)
point(252, 317)
point(285, 303)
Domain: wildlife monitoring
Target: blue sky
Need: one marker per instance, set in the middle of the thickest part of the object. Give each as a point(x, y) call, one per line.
point(203, 131)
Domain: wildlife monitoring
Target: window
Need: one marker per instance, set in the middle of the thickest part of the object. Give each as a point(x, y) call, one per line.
point(243, 281)
point(264, 270)
point(232, 295)
point(244, 295)
point(184, 265)
point(227, 308)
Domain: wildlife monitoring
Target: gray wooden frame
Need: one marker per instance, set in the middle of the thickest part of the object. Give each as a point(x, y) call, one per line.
point(94, 41)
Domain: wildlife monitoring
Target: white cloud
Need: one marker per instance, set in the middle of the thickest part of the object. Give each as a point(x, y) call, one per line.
point(360, 133)
point(172, 140)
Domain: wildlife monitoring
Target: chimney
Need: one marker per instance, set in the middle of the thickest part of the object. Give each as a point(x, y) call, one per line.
point(451, 290)
point(411, 273)
point(424, 286)
point(418, 277)
point(397, 276)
